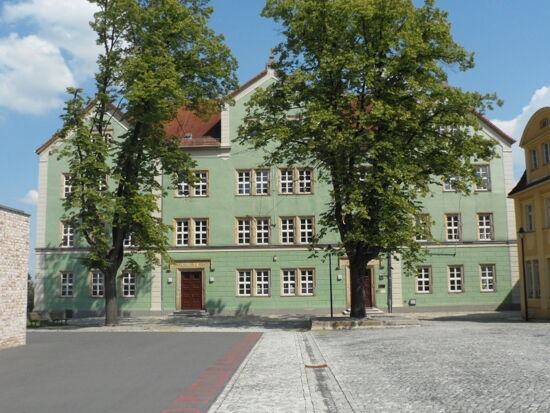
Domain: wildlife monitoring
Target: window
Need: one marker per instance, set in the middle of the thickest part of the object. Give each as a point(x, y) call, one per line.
point(245, 282)
point(260, 177)
point(199, 189)
point(182, 232)
point(306, 282)
point(253, 283)
point(287, 181)
point(201, 231)
point(546, 152)
point(303, 177)
point(485, 227)
point(289, 282)
point(423, 279)
point(455, 279)
point(243, 231)
point(128, 285)
point(262, 231)
point(201, 185)
point(243, 187)
point(482, 172)
point(67, 236)
point(98, 284)
point(67, 185)
point(306, 230)
point(487, 277)
point(453, 227)
point(67, 284)
point(128, 241)
point(262, 182)
point(534, 159)
point(422, 222)
point(529, 221)
point(304, 181)
point(287, 230)
point(450, 185)
point(532, 278)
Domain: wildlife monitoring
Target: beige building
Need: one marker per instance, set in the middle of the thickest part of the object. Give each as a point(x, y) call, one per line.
point(532, 200)
point(14, 267)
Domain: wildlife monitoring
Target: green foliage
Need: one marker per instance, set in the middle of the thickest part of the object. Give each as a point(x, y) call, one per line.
point(157, 56)
point(374, 112)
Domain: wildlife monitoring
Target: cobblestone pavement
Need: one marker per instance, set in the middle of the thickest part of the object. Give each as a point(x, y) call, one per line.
point(444, 366)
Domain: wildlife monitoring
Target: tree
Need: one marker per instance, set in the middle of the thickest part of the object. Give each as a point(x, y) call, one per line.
point(366, 83)
point(157, 56)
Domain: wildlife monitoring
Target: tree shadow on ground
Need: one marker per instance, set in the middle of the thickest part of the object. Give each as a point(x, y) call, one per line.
point(493, 317)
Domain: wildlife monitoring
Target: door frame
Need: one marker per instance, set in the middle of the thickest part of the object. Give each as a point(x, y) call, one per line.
point(180, 278)
point(373, 265)
point(190, 266)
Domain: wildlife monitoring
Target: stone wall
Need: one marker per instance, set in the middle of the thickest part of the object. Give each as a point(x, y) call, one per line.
point(14, 267)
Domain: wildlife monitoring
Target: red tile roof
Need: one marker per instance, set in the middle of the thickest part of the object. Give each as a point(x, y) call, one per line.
point(194, 131)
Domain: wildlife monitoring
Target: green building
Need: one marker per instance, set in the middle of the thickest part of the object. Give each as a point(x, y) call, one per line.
point(240, 237)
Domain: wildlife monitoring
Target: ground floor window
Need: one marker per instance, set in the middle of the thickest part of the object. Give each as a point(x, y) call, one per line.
point(253, 282)
point(305, 277)
point(98, 284)
point(67, 279)
point(423, 279)
point(487, 277)
point(455, 279)
point(128, 285)
point(532, 278)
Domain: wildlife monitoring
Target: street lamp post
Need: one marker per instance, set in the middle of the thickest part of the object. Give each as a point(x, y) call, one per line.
point(521, 234)
point(330, 278)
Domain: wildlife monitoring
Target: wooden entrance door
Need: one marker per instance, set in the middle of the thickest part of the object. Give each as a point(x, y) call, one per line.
point(191, 290)
point(367, 290)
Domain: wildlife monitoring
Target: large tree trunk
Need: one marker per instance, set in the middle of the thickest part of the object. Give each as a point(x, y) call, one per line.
point(111, 304)
point(358, 272)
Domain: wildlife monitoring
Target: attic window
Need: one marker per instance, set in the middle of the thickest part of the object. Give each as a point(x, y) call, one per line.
point(188, 136)
point(544, 123)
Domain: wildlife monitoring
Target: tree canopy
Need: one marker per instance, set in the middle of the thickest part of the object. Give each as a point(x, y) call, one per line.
point(157, 56)
point(366, 84)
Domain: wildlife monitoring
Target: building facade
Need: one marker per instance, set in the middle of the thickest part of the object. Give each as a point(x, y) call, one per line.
point(14, 269)
point(240, 237)
point(532, 202)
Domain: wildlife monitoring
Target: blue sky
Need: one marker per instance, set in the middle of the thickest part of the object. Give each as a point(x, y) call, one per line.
point(46, 45)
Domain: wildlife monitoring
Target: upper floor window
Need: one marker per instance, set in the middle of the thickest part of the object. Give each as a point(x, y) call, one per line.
point(67, 235)
point(485, 227)
point(67, 185)
point(67, 280)
point(422, 222)
point(199, 189)
point(529, 220)
point(298, 282)
point(546, 152)
point(296, 181)
point(482, 172)
point(97, 284)
point(191, 231)
point(253, 231)
point(128, 285)
point(305, 230)
point(450, 185)
point(253, 182)
point(128, 241)
point(453, 227)
point(534, 159)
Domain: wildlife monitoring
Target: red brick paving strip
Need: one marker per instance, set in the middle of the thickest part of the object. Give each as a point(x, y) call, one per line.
point(198, 397)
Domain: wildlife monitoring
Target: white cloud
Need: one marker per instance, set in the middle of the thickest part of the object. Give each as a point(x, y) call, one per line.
point(30, 198)
point(60, 51)
point(514, 127)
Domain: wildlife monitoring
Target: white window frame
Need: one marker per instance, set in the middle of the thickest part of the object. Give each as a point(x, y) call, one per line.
point(67, 185)
point(262, 231)
point(286, 185)
point(485, 229)
point(129, 285)
point(200, 236)
point(244, 283)
point(450, 186)
point(534, 158)
point(253, 282)
point(244, 231)
point(194, 234)
point(200, 188)
point(456, 278)
point(183, 190)
point(298, 282)
point(529, 218)
point(288, 230)
point(261, 182)
point(67, 235)
point(262, 282)
point(244, 182)
point(487, 277)
point(453, 229)
point(253, 182)
point(304, 180)
point(182, 233)
point(423, 280)
point(296, 181)
point(97, 284)
point(306, 229)
point(483, 172)
point(128, 242)
point(546, 152)
point(66, 285)
point(424, 221)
